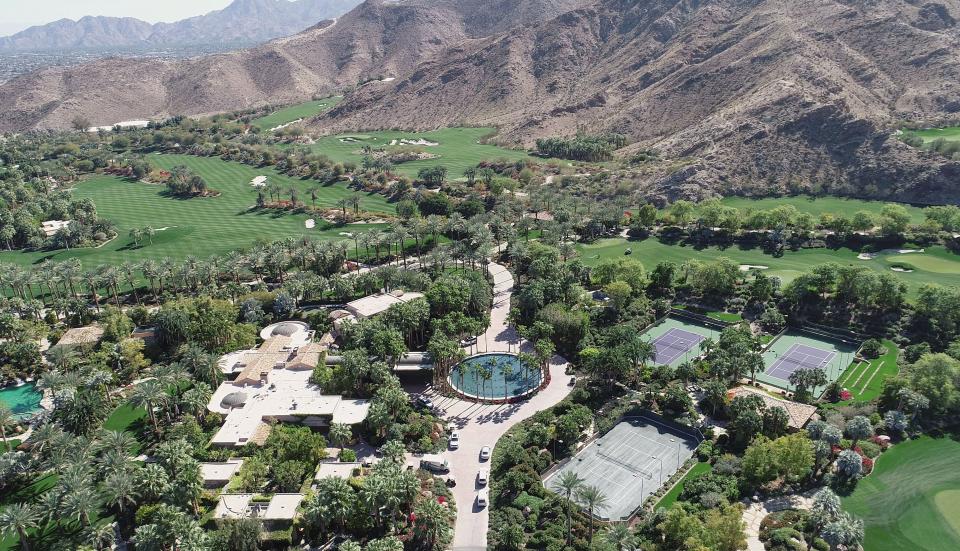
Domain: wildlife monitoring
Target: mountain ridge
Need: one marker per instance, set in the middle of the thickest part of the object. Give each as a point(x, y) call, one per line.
point(242, 22)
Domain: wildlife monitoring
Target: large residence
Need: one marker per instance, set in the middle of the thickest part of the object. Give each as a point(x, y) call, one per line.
point(273, 385)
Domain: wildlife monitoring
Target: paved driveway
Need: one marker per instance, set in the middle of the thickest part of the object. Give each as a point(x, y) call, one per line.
point(483, 424)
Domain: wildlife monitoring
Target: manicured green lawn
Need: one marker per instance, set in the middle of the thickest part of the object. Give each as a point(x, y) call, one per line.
point(670, 497)
point(865, 381)
point(819, 205)
point(199, 227)
point(457, 148)
point(950, 133)
point(299, 111)
point(789, 266)
point(910, 500)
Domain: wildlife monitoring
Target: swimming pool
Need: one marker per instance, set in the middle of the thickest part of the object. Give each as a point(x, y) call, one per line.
point(23, 400)
point(494, 377)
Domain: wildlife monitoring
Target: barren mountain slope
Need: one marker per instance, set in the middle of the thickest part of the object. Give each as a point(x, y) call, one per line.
point(376, 38)
point(760, 92)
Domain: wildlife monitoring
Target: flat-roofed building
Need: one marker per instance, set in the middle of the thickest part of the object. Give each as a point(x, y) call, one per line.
point(217, 475)
point(280, 507)
point(372, 305)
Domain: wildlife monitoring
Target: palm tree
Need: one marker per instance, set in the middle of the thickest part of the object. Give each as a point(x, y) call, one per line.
point(568, 483)
point(594, 500)
point(340, 434)
point(120, 488)
point(100, 536)
point(6, 418)
point(19, 518)
point(620, 536)
point(149, 394)
point(79, 502)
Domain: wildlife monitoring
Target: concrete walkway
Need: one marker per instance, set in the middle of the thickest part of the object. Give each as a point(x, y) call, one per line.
point(483, 424)
point(754, 514)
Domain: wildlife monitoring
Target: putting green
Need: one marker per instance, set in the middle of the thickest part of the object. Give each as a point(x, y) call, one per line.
point(456, 148)
point(929, 262)
point(948, 502)
point(910, 501)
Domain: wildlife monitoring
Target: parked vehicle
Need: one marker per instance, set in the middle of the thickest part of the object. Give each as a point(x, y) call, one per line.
point(454, 440)
point(424, 401)
point(482, 498)
point(434, 462)
point(482, 477)
point(484, 453)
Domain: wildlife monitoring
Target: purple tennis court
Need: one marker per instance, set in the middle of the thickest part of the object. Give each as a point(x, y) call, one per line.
point(673, 344)
point(797, 357)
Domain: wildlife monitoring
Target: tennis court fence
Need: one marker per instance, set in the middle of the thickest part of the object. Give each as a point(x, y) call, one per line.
point(699, 318)
point(836, 334)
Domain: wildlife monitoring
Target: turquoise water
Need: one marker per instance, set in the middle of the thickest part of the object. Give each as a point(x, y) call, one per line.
point(514, 380)
point(23, 400)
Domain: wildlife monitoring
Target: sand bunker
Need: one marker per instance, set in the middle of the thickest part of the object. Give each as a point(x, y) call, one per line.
point(282, 126)
point(259, 181)
point(421, 141)
point(901, 270)
point(871, 256)
point(748, 267)
point(310, 224)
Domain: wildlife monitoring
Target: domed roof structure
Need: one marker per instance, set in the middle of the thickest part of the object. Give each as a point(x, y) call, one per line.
point(234, 400)
point(286, 329)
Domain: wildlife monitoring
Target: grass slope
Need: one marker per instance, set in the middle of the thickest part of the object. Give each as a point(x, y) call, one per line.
point(291, 113)
point(670, 498)
point(908, 502)
point(458, 149)
point(865, 380)
point(790, 265)
point(198, 227)
point(950, 133)
point(819, 205)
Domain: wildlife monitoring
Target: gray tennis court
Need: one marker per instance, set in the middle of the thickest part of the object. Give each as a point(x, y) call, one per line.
point(630, 462)
point(800, 356)
point(673, 344)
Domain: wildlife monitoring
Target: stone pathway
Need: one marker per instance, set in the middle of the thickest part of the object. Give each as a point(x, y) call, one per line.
point(754, 514)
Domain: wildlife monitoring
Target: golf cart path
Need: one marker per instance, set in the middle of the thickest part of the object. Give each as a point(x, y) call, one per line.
point(483, 424)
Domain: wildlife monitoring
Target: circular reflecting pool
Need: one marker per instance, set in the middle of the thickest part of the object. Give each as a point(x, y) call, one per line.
point(495, 376)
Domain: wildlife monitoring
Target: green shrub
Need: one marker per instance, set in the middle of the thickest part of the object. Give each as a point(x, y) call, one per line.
point(347, 455)
point(872, 348)
point(870, 449)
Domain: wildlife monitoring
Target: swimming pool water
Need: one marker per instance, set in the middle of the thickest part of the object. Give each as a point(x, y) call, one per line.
point(507, 377)
point(23, 400)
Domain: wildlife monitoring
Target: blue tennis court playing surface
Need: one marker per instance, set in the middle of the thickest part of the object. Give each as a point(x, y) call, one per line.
point(673, 344)
point(800, 356)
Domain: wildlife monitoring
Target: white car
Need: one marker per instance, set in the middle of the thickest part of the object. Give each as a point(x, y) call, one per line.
point(482, 498)
point(482, 477)
point(454, 440)
point(484, 453)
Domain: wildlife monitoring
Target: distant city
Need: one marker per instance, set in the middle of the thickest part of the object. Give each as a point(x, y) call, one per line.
point(15, 64)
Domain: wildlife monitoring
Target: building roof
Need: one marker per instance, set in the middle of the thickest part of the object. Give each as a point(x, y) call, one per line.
point(260, 362)
point(51, 227)
point(287, 394)
point(280, 506)
point(797, 414)
point(336, 469)
point(219, 473)
point(375, 304)
point(78, 336)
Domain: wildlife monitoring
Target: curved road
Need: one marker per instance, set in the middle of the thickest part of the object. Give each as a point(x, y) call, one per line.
point(483, 424)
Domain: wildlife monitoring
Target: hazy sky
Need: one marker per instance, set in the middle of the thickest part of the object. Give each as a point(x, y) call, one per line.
point(16, 15)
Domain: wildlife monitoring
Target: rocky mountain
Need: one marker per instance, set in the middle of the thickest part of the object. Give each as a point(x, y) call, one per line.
point(744, 96)
point(375, 39)
point(750, 95)
point(243, 22)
